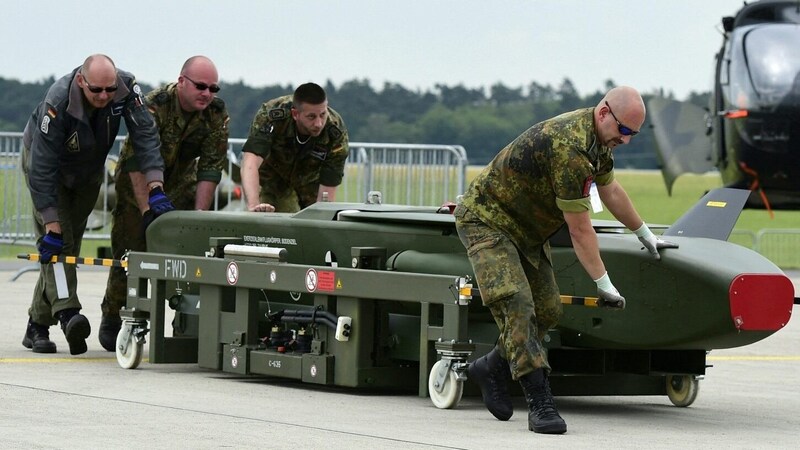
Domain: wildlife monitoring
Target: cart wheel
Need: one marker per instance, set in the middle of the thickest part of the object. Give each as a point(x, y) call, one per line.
point(682, 389)
point(450, 393)
point(132, 356)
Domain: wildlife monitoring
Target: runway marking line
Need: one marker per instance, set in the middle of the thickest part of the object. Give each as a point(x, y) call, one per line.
point(754, 358)
point(68, 359)
point(59, 360)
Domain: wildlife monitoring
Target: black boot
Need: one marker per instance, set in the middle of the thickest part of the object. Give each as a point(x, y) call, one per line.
point(76, 329)
point(37, 338)
point(109, 328)
point(542, 413)
point(492, 374)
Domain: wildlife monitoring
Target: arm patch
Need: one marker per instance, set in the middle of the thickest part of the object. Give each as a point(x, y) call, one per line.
point(334, 132)
point(161, 99)
point(277, 114)
point(587, 186)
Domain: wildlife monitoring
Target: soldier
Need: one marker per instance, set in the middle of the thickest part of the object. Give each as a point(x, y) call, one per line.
point(65, 145)
point(193, 126)
point(295, 152)
point(534, 185)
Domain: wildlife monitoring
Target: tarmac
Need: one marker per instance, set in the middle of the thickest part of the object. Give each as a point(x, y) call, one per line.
point(750, 398)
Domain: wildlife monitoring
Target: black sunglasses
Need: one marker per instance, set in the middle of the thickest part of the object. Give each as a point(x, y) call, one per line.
point(98, 89)
point(623, 130)
point(214, 88)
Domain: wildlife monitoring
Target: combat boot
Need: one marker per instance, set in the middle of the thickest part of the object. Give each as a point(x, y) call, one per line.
point(542, 413)
point(109, 329)
point(492, 374)
point(76, 329)
point(37, 338)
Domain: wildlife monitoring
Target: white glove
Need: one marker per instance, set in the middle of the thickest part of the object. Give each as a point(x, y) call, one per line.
point(651, 242)
point(607, 295)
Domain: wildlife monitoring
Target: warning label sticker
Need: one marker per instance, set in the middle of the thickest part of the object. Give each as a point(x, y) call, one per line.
point(326, 280)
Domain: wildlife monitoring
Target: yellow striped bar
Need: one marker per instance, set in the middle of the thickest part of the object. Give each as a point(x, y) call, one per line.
point(77, 260)
point(579, 301)
point(591, 302)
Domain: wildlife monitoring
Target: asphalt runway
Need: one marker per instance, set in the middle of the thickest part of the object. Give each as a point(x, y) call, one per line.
point(750, 398)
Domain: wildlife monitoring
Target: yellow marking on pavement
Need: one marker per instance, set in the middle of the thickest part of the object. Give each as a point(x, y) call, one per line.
point(755, 358)
point(59, 360)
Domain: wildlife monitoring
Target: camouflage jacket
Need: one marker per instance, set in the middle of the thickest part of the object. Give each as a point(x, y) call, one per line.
point(65, 145)
point(185, 138)
point(544, 172)
point(288, 164)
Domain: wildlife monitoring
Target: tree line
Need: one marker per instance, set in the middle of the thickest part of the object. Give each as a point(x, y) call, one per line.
point(483, 120)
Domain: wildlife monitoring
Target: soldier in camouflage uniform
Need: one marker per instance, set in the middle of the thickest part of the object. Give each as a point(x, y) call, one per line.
point(193, 126)
point(534, 185)
point(295, 152)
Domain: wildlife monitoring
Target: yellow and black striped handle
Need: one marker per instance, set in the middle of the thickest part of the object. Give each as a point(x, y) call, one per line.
point(106, 262)
point(579, 301)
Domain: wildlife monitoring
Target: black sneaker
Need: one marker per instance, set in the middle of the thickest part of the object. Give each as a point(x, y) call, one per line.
point(37, 338)
point(109, 329)
point(76, 329)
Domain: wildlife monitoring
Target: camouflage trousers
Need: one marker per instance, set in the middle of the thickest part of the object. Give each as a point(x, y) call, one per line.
point(523, 299)
point(127, 233)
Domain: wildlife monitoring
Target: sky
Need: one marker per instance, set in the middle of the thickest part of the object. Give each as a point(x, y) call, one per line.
point(647, 44)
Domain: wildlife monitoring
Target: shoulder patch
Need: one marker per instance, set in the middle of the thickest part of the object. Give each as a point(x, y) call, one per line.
point(587, 186)
point(161, 99)
point(334, 132)
point(45, 126)
point(277, 114)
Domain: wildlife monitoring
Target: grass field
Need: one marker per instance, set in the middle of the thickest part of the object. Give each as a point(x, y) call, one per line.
point(646, 189)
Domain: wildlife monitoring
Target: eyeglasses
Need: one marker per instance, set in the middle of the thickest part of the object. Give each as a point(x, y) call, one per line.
point(213, 88)
point(623, 130)
point(98, 89)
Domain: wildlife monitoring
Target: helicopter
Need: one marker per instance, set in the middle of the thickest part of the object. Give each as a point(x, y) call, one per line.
point(750, 131)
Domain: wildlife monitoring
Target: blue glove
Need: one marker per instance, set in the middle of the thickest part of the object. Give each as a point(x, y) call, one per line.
point(52, 244)
point(159, 203)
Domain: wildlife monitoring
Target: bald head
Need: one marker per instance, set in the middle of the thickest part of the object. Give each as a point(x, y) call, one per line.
point(98, 73)
point(623, 99)
point(198, 62)
point(622, 108)
point(98, 63)
point(197, 79)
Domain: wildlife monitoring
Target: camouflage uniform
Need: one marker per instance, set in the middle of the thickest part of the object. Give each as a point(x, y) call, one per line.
point(194, 147)
point(291, 173)
point(507, 216)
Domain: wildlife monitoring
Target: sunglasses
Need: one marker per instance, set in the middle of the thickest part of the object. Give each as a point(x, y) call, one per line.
point(623, 130)
point(98, 89)
point(213, 88)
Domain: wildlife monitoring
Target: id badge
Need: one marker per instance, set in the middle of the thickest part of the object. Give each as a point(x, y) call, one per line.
point(594, 197)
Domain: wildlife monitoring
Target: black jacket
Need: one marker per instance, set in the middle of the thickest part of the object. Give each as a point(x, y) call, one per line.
point(64, 146)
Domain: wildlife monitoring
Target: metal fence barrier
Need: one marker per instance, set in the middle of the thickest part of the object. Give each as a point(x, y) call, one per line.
point(404, 174)
point(781, 246)
point(413, 174)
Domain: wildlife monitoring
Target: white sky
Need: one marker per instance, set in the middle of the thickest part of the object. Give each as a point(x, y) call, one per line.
point(647, 44)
